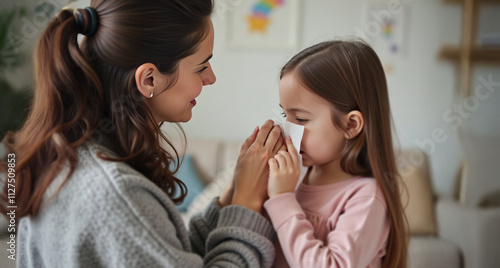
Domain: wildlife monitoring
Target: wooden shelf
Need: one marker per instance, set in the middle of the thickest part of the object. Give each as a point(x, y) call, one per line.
point(467, 54)
point(477, 55)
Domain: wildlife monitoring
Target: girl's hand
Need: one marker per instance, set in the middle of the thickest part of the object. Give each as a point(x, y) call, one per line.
point(252, 172)
point(284, 171)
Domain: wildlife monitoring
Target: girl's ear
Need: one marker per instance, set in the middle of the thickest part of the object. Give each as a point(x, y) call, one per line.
point(146, 78)
point(355, 124)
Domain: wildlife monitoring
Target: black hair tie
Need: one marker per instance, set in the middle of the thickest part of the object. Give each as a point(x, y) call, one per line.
point(87, 25)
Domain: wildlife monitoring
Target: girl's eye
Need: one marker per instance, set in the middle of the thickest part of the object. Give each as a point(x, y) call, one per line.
point(300, 120)
point(202, 69)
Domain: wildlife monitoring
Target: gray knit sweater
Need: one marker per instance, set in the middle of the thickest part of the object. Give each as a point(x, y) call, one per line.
point(110, 215)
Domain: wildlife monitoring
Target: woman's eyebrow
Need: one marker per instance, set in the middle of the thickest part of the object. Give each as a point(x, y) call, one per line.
point(206, 60)
point(296, 110)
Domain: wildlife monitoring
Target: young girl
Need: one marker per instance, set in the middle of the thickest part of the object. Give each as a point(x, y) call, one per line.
point(87, 177)
point(347, 211)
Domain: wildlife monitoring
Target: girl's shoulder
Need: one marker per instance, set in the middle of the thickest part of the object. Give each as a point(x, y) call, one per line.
point(355, 183)
point(365, 187)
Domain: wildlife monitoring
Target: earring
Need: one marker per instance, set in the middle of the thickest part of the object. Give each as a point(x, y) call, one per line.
point(151, 94)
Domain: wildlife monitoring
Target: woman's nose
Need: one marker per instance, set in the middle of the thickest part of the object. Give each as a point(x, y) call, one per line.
point(208, 76)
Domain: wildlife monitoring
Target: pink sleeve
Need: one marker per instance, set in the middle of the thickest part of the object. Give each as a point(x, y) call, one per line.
point(359, 233)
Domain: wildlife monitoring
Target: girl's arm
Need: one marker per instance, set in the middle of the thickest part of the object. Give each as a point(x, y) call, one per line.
point(357, 234)
point(355, 240)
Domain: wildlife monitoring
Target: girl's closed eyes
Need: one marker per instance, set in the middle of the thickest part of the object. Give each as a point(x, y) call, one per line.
point(299, 120)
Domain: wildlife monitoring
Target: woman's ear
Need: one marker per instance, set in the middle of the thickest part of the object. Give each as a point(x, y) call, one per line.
point(355, 124)
point(145, 78)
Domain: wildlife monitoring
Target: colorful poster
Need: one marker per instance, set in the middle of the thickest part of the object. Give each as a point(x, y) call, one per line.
point(384, 29)
point(263, 24)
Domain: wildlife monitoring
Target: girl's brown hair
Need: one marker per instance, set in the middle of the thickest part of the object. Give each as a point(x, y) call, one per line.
point(349, 75)
point(89, 92)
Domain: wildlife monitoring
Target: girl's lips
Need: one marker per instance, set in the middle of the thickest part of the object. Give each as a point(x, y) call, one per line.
point(193, 102)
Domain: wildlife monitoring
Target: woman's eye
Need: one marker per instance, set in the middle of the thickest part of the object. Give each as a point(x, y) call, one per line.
point(283, 114)
point(202, 69)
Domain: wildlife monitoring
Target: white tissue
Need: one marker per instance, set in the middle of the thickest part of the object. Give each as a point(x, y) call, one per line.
point(296, 132)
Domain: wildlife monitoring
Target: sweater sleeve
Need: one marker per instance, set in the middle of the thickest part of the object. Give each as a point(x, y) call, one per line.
point(234, 235)
point(201, 224)
point(240, 238)
point(353, 242)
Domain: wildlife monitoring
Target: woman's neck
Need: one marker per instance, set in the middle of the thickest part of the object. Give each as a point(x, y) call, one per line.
point(326, 174)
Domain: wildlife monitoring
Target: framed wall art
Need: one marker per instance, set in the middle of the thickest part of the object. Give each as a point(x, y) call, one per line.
point(263, 24)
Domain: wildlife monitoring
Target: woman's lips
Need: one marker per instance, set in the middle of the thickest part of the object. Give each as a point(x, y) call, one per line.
point(193, 102)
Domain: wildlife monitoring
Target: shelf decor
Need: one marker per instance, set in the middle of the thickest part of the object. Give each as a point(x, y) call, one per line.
point(469, 52)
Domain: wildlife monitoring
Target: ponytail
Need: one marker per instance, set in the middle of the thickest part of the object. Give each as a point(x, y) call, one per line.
point(81, 88)
point(67, 105)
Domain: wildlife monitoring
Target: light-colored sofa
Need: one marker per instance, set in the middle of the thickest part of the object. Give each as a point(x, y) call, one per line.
point(443, 232)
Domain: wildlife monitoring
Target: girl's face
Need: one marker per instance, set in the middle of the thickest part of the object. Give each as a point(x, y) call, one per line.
point(176, 103)
point(322, 141)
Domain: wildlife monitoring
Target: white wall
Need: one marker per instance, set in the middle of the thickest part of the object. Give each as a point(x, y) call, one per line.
point(422, 89)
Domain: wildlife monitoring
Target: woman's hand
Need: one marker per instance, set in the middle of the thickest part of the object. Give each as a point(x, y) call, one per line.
point(227, 196)
point(284, 171)
point(252, 171)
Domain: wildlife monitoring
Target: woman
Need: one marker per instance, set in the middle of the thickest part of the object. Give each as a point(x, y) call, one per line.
point(92, 183)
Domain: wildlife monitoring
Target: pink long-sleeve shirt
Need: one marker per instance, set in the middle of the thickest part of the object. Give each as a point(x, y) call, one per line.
point(344, 224)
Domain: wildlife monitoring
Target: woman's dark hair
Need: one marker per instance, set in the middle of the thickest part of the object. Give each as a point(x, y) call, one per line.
point(349, 75)
point(89, 91)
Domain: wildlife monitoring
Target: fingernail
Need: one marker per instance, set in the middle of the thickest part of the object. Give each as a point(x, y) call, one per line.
point(255, 130)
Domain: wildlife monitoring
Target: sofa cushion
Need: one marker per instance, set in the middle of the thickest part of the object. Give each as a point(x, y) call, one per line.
point(480, 179)
point(418, 197)
point(229, 154)
point(188, 174)
point(430, 252)
point(205, 153)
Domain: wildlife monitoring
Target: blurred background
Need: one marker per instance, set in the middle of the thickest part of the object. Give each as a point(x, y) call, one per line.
point(428, 102)
point(442, 61)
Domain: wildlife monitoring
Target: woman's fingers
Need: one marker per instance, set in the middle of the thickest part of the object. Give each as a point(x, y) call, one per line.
point(264, 132)
point(248, 142)
point(279, 144)
point(273, 138)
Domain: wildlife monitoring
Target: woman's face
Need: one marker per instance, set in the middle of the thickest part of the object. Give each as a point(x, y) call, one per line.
point(176, 103)
point(322, 141)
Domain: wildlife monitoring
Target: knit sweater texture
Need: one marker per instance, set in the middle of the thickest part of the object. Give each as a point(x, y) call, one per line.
point(109, 215)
